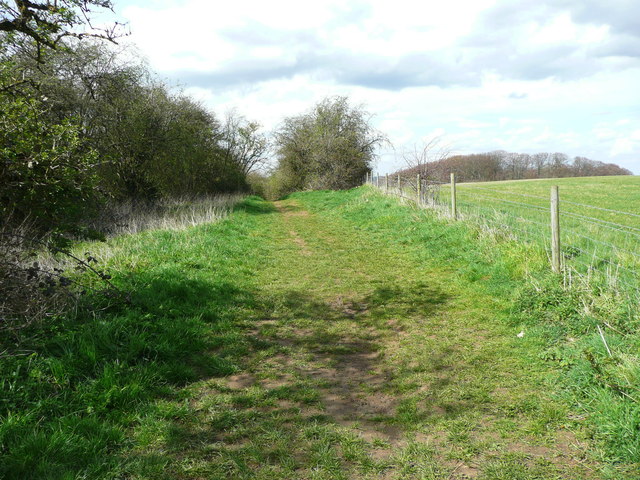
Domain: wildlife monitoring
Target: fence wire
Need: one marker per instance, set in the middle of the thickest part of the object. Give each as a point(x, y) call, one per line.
point(595, 241)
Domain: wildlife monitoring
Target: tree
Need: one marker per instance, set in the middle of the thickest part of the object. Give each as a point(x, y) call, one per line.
point(243, 143)
point(330, 147)
point(540, 161)
point(48, 22)
point(558, 164)
point(422, 159)
point(46, 170)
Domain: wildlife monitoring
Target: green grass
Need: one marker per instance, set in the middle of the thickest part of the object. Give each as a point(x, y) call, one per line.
point(341, 335)
point(613, 192)
point(599, 221)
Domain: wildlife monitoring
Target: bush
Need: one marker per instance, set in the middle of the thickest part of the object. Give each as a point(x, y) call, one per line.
point(331, 147)
point(46, 170)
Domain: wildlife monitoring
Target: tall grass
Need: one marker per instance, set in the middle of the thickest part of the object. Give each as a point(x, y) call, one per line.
point(599, 228)
point(102, 395)
point(131, 217)
point(40, 281)
point(77, 383)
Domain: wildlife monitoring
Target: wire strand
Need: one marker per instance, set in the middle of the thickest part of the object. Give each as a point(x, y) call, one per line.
point(603, 223)
point(615, 247)
point(601, 208)
point(535, 207)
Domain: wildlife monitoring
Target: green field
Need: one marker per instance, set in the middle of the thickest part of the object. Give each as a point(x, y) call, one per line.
point(614, 193)
point(599, 220)
point(332, 335)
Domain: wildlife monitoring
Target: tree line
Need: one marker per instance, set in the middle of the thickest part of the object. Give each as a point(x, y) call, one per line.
point(502, 165)
point(85, 123)
point(92, 125)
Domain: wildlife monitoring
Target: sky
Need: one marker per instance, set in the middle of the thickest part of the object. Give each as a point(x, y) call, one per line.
point(481, 75)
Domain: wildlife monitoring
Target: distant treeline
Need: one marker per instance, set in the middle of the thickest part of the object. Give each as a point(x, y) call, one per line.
point(501, 165)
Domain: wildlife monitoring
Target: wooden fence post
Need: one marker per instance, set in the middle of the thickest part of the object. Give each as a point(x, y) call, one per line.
point(419, 189)
point(386, 183)
point(555, 230)
point(399, 190)
point(454, 207)
point(378, 180)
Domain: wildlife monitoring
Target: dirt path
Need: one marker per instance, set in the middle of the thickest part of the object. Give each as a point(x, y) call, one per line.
point(364, 364)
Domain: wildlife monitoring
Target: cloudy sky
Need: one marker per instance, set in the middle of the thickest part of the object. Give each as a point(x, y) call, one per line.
point(526, 76)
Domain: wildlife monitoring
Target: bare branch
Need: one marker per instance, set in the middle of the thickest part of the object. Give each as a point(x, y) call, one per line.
point(420, 159)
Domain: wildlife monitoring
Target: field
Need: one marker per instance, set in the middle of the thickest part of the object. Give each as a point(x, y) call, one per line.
point(613, 193)
point(599, 220)
point(331, 335)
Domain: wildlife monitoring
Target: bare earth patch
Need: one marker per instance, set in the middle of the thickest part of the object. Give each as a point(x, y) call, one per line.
point(304, 249)
point(291, 209)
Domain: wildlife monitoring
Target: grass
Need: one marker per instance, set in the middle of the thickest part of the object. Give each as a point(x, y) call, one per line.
point(613, 192)
point(599, 221)
point(164, 214)
point(332, 335)
point(602, 383)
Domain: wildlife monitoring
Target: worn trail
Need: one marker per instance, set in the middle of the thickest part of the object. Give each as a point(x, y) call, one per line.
point(366, 363)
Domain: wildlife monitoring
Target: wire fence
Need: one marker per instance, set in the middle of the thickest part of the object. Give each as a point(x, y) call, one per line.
point(595, 243)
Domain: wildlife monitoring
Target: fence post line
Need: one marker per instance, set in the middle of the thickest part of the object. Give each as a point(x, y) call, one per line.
point(454, 207)
point(555, 230)
point(386, 183)
point(378, 180)
point(419, 189)
point(399, 191)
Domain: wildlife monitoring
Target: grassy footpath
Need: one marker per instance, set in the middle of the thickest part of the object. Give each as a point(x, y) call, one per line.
point(333, 335)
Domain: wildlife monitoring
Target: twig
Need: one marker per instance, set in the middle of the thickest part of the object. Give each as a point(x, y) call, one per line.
point(455, 469)
point(614, 329)
point(604, 340)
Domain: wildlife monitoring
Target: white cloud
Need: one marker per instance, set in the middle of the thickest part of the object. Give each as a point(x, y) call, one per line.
point(486, 74)
point(622, 146)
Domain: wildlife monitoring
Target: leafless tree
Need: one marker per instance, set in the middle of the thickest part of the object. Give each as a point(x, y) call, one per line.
point(540, 161)
point(244, 143)
point(423, 158)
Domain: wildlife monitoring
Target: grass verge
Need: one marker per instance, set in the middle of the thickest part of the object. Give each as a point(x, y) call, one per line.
point(335, 335)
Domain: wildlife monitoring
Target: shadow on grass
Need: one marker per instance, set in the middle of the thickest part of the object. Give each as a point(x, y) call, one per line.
point(255, 206)
point(68, 406)
point(319, 373)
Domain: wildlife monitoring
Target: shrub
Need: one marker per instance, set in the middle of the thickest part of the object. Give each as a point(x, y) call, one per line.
point(331, 147)
point(46, 170)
